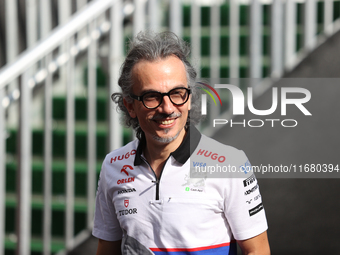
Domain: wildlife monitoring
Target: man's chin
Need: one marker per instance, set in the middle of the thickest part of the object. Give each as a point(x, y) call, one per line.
point(165, 139)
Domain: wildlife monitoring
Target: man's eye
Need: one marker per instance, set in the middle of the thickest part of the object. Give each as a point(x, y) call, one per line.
point(151, 96)
point(179, 92)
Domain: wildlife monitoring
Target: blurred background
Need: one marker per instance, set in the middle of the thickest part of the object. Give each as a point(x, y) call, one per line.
point(60, 62)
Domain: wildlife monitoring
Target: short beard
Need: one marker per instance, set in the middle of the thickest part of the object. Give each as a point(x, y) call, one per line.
point(166, 139)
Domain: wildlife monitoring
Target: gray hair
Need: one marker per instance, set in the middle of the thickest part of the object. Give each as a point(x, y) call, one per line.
point(153, 46)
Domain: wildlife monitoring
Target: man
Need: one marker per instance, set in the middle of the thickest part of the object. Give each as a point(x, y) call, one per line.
point(146, 201)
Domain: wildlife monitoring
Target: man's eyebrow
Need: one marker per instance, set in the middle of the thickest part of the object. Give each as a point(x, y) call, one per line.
point(152, 90)
point(149, 90)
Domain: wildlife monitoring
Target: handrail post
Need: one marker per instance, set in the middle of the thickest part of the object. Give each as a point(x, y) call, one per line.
point(310, 26)
point(139, 16)
point(234, 38)
point(12, 30)
point(45, 15)
point(24, 175)
point(328, 17)
point(47, 216)
point(195, 27)
point(70, 147)
point(176, 17)
point(255, 69)
point(215, 60)
point(2, 172)
point(91, 124)
point(290, 33)
point(31, 22)
point(116, 55)
point(154, 15)
point(276, 38)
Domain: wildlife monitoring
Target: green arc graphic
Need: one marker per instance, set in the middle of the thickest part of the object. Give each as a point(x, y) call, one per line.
point(210, 95)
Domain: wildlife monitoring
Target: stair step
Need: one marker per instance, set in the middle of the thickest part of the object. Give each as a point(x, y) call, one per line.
point(224, 17)
point(58, 202)
point(244, 13)
point(58, 176)
point(59, 140)
point(100, 74)
point(58, 206)
point(57, 244)
point(59, 107)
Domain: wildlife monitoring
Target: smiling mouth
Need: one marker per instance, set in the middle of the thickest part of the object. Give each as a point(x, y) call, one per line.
point(166, 119)
point(165, 122)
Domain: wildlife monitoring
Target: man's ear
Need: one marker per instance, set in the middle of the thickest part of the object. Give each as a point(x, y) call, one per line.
point(130, 108)
point(189, 102)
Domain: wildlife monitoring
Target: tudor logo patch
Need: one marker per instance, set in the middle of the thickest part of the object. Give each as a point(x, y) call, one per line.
point(126, 202)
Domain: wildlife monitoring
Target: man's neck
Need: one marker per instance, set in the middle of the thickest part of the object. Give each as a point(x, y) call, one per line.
point(156, 153)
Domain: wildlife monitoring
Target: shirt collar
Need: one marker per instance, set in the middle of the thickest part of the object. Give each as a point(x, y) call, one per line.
point(182, 153)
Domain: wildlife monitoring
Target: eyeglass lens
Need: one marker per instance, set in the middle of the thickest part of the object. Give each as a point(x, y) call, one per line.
point(154, 99)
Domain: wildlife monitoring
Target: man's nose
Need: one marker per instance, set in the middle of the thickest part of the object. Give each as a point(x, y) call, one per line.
point(167, 106)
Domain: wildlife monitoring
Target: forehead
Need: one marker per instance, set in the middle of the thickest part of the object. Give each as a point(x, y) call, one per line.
point(161, 75)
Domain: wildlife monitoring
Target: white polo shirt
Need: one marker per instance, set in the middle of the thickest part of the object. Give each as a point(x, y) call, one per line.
point(176, 214)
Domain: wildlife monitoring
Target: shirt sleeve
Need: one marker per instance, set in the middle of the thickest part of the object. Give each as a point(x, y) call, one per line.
point(106, 225)
point(243, 205)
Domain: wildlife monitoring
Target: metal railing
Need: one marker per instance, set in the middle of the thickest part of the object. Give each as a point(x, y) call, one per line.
point(33, 20)
point(38, 64)
point(64, 39)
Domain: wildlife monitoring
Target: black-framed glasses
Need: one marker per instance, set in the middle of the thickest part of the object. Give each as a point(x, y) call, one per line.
point(153, 99)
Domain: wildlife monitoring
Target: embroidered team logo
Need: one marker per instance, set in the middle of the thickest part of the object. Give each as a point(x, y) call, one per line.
point(125, 168)
point(195, 182)
point(126, 202)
